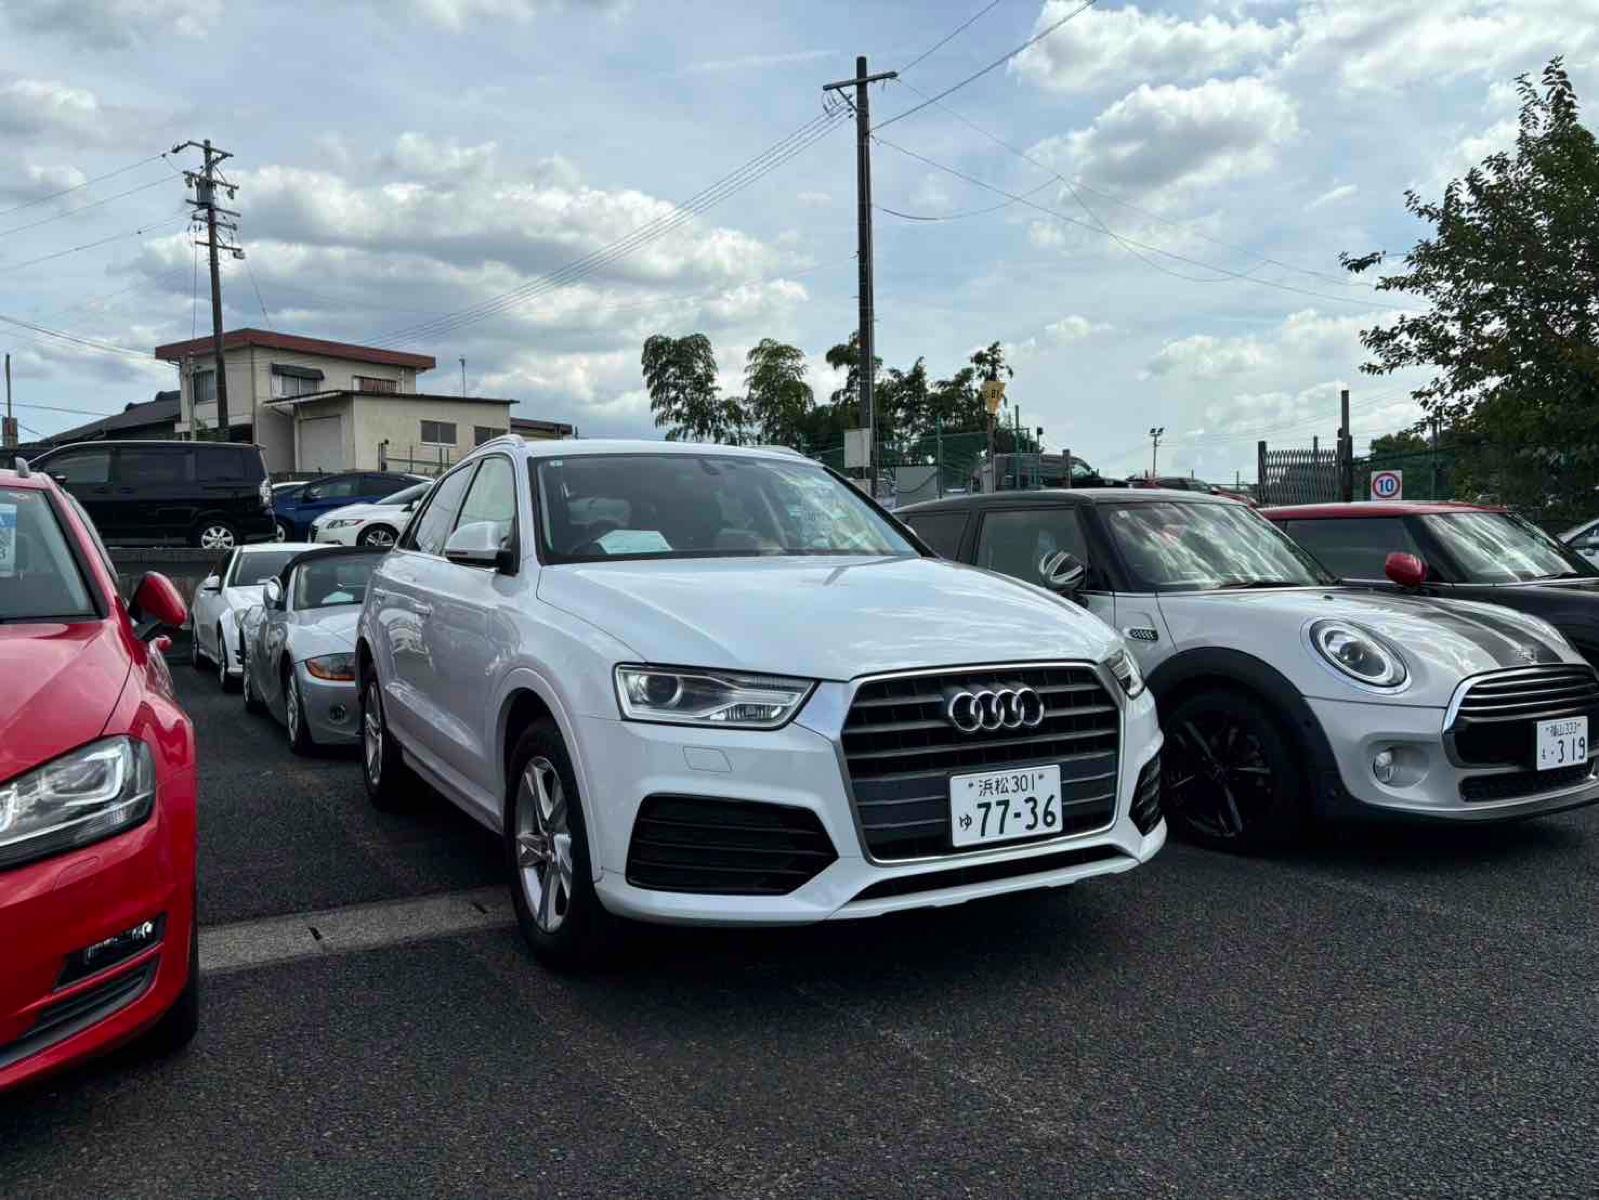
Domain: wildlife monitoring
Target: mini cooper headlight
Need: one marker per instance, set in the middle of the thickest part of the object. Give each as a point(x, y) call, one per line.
point(721, 699)
point(1358, 654)
point(88, 794)
point(1125, 668)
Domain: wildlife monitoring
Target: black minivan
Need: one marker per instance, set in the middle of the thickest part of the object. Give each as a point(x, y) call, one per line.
point(210, 494)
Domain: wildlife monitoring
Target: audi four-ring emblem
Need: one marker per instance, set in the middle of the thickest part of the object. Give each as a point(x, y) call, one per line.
point(995, 708)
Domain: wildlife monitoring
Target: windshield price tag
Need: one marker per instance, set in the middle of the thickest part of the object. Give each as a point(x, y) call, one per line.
point(8, 539)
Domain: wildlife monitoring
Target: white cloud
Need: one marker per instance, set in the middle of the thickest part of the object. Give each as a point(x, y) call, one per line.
point(38, 181)
point(1114, 46)
point(747, 62)
point(457, 15)
point(1202, 356)
point(35, 107)
point(116, 24)
point(1167, 137)
point(814, 199)
point(1305, 340)
point(1073, 328)
point(1332, 196)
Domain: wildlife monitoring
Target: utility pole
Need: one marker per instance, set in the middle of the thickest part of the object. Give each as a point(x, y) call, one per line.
point(463, 378)
point(863, 222)
point(204, 182)
point(1346, 450)
point(10, 431)
point(1433, 423)
point(1155, 434)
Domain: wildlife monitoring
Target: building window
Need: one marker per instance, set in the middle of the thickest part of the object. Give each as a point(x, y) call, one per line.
point(370, 383)
point(203, 387)
point(438, 433)
point(485, 433)
point(292, 385)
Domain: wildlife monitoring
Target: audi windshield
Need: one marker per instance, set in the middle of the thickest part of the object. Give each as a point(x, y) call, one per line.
point(608, 506)
point(1184, 546)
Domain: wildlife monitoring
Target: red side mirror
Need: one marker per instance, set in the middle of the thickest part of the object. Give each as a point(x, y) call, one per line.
point(1406, 570)
point(157, 603)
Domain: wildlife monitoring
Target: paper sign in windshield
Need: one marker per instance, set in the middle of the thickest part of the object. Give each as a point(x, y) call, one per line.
point(634, 541)
point(8, 540)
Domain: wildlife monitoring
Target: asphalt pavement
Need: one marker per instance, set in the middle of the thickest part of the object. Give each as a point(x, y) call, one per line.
point(1390, 1013)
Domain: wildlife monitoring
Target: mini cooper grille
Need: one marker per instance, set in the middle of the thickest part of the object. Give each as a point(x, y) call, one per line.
point(901, 750)
point(1498, 716)
point(725, 847)
point(1146, 800)
point(1514, 785)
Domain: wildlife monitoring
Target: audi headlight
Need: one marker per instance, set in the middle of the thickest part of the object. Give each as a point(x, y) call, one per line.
point(1125, 668)
point(722, 699)
point(335, 668)
point(1360, 655)
point(93, 792)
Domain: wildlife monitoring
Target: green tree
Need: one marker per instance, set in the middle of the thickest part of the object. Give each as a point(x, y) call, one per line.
point(1510, 275)
point(778, 400)
point(846, 356)
point(902, 402)
point(990, 362)
point(680, 374)
point(1406, 441)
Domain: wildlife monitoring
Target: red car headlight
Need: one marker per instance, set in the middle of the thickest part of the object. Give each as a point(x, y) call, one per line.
point(85, 795)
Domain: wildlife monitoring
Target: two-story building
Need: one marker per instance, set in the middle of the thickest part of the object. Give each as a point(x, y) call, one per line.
point(315, 405)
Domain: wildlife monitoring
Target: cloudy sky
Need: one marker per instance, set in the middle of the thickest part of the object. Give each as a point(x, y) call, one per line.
point(1147, 206)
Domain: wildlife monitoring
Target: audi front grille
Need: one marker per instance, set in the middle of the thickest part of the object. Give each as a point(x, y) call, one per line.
point(901, 747)
point(1496, 720)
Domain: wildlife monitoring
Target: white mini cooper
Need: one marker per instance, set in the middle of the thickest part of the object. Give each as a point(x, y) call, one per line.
point(1284, 695)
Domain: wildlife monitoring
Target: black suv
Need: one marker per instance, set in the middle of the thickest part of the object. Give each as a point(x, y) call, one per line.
point(210, 494)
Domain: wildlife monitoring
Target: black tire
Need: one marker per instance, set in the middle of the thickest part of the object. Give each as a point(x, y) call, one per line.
point(1232, 778)
point(227, 682)
point(252, 702)
point(586, 935)
point(376, 535)
point(283, 532)
point(391, 786)
point(214, 533)
point(197, 658)
point(300, 740)
point(176, 1027)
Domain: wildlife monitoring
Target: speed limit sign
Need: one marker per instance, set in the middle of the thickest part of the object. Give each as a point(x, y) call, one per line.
point(1387, 485)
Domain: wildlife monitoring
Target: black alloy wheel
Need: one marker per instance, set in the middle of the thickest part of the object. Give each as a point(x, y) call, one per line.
point(1231, 779)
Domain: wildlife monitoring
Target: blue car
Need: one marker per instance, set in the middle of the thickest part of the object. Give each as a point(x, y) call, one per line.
point(297, 505)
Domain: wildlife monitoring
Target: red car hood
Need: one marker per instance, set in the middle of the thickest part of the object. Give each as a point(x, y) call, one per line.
point(58, 685)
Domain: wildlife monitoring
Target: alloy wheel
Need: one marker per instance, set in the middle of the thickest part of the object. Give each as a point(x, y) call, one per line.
point(1219, 779)
point(378, 537)
point(222, 658)
point(544, 844)
point(280, 531)
point(291, 708)
point(372, 733)
point(216, 537)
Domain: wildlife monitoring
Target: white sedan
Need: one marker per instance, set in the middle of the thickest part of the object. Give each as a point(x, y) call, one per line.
point(233, 587)
point(378, 523)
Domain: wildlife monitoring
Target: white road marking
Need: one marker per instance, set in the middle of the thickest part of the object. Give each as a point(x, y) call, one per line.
point(241, 945)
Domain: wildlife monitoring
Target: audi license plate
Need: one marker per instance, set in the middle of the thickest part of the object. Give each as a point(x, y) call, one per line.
point(1001, 806)
point(1562, 743)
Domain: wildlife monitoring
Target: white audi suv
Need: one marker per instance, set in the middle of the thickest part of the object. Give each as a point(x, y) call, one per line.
point(710, 685)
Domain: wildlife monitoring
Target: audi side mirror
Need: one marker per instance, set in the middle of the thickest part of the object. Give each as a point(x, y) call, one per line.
point(1062, 571)
point(1406, 570)
point(480, 544)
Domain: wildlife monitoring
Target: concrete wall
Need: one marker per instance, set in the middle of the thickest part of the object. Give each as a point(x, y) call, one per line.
point(184, 565)
point(400, 421)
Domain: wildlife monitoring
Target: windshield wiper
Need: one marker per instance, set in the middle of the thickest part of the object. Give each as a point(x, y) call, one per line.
point(1241, 584)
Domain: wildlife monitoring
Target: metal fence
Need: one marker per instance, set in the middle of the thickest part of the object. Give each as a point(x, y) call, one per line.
point(1300, 476)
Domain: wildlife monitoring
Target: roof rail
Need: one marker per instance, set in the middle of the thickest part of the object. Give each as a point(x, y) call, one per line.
point(776, 449)
point(21, 467)
point(510, 439)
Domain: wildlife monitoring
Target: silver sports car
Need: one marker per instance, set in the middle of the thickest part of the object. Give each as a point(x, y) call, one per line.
point(299, 645)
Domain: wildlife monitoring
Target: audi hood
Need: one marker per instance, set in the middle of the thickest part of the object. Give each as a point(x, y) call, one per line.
point(1441, 641)
point(823, 617)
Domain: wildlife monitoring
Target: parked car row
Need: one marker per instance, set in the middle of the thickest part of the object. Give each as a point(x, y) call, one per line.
point(713, 685)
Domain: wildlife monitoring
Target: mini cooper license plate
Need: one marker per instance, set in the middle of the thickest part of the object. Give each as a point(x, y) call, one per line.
point(1001, 806)
point(1562, 743)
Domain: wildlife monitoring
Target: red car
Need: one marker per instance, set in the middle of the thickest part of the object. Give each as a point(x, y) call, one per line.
point(97, 797)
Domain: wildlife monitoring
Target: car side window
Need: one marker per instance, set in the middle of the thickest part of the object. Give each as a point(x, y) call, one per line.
point(383, 485)
point(431, 528)
point(492, 497)
point(1354, 547)
point(941, 531)
point(81, 466)
point(154, 466)
point(220, 464)
point(1014, 541)
point(224, 568)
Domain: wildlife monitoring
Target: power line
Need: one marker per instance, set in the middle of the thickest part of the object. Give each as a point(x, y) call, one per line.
point(72, 212)
point(1194, 262)
point(952, 34)
point(737, 180)
point(5, 212)
point(998, 62)
point(141, 232)
point(956, 216)
point(1076, 187)
point(75, 339)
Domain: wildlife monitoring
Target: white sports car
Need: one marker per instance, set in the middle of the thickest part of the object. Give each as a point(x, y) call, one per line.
point(234, 586)
point(379, 523)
